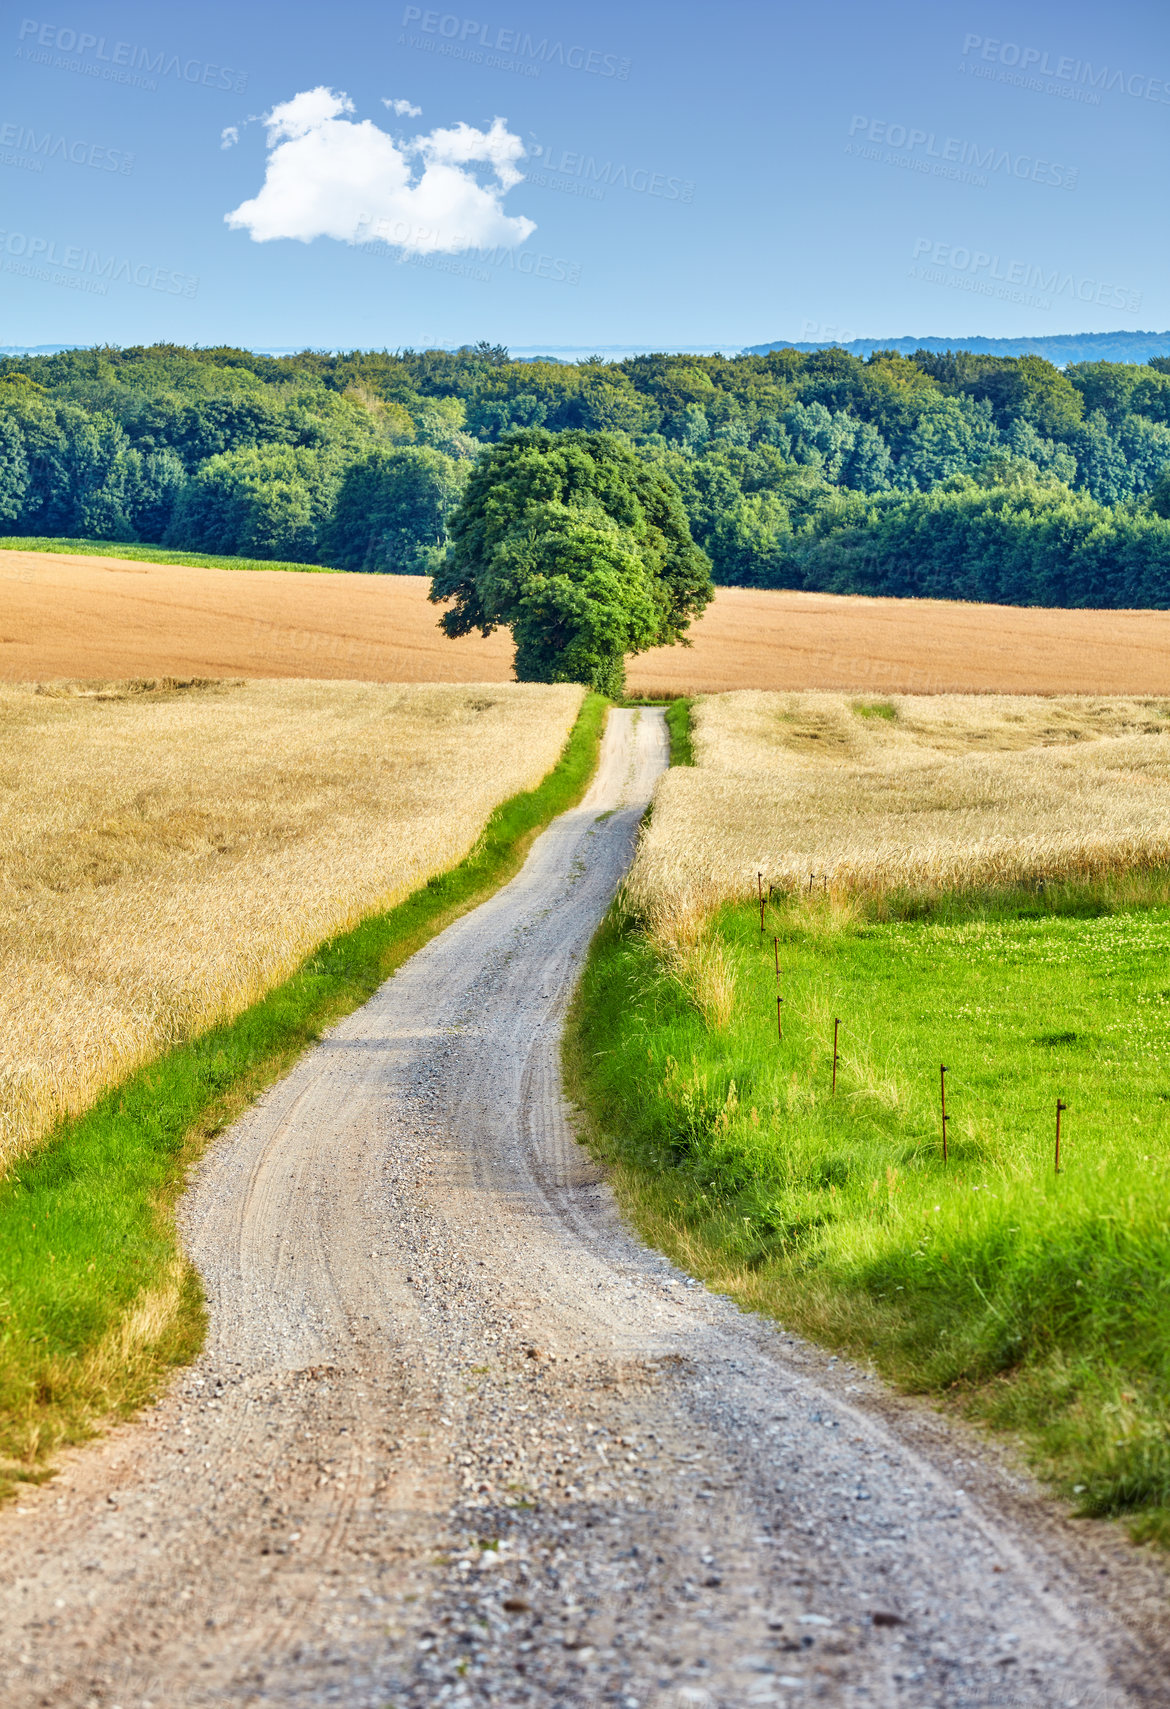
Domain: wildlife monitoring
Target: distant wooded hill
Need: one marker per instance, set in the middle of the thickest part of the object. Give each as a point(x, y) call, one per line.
point(1061, 348)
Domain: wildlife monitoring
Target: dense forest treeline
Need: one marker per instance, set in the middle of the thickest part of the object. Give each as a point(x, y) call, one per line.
point(951, 474)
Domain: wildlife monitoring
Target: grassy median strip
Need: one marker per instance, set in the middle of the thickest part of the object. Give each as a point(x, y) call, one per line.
point(678, 724)
point(152, 554)
point(96, 1299)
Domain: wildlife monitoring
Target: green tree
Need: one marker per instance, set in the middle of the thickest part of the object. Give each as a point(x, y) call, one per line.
point(582, 550)
point(154, 482)
point(13, 469)
point(953, 436)
point(606, 407)
point(1151, 396)
point(1101, 461)
point(1160, 496)
point(1048, 456)
point(842, 449)
point(1145, 446)
point(498, 416)
point(441, 423)
point(263, 502)
point(47, 506)
point(98, 462)
point(1106, 386)
point(391, 512)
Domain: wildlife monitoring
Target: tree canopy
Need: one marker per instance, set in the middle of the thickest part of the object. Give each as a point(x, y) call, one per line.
point(357, 458)
point(578, 547)
point(391, 511)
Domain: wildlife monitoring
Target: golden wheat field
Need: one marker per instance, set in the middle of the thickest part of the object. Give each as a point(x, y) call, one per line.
point(168, 853)
point(66, 616)
point(911, 792)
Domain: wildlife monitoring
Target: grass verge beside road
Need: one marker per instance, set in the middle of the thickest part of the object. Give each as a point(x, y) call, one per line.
point(96, 1299)
point(1034, 1301)
point(152, 554)
point(678, 724)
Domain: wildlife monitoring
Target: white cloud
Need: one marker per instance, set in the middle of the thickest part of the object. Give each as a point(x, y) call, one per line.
point(329, 175)
point(229, 136)
point(462, 145)
point(402, 108)
point(309, 111)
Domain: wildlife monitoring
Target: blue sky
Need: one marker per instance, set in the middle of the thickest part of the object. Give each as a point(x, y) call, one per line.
point(678, 176)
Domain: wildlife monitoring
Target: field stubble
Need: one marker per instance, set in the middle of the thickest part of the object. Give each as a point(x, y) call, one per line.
point(169, 851)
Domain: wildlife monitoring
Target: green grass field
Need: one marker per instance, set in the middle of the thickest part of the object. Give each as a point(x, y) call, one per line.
point(96, 1301)
point(1040, 1302)
point(153, 554)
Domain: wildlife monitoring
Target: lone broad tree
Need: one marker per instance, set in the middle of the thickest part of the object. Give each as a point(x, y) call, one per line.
point(580, 549)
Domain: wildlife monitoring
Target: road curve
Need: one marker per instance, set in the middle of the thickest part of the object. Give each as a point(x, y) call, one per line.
point(457, 1438)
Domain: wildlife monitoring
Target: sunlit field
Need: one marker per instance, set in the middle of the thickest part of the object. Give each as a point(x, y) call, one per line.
point(989, 893)
point(168, 852)
point(848, 795)
point(68, 615)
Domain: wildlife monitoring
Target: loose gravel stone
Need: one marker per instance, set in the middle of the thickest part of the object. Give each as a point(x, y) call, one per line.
point(458, 1440)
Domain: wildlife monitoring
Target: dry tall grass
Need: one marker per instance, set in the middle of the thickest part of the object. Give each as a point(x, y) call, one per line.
point(909, 793)
point(168, 854)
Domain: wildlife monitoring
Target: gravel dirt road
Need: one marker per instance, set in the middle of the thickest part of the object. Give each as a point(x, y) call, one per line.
point(458, 1438)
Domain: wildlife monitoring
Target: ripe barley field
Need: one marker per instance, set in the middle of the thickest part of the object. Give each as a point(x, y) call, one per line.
point(844, 796)
point(68, 615)
point(170, 850)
